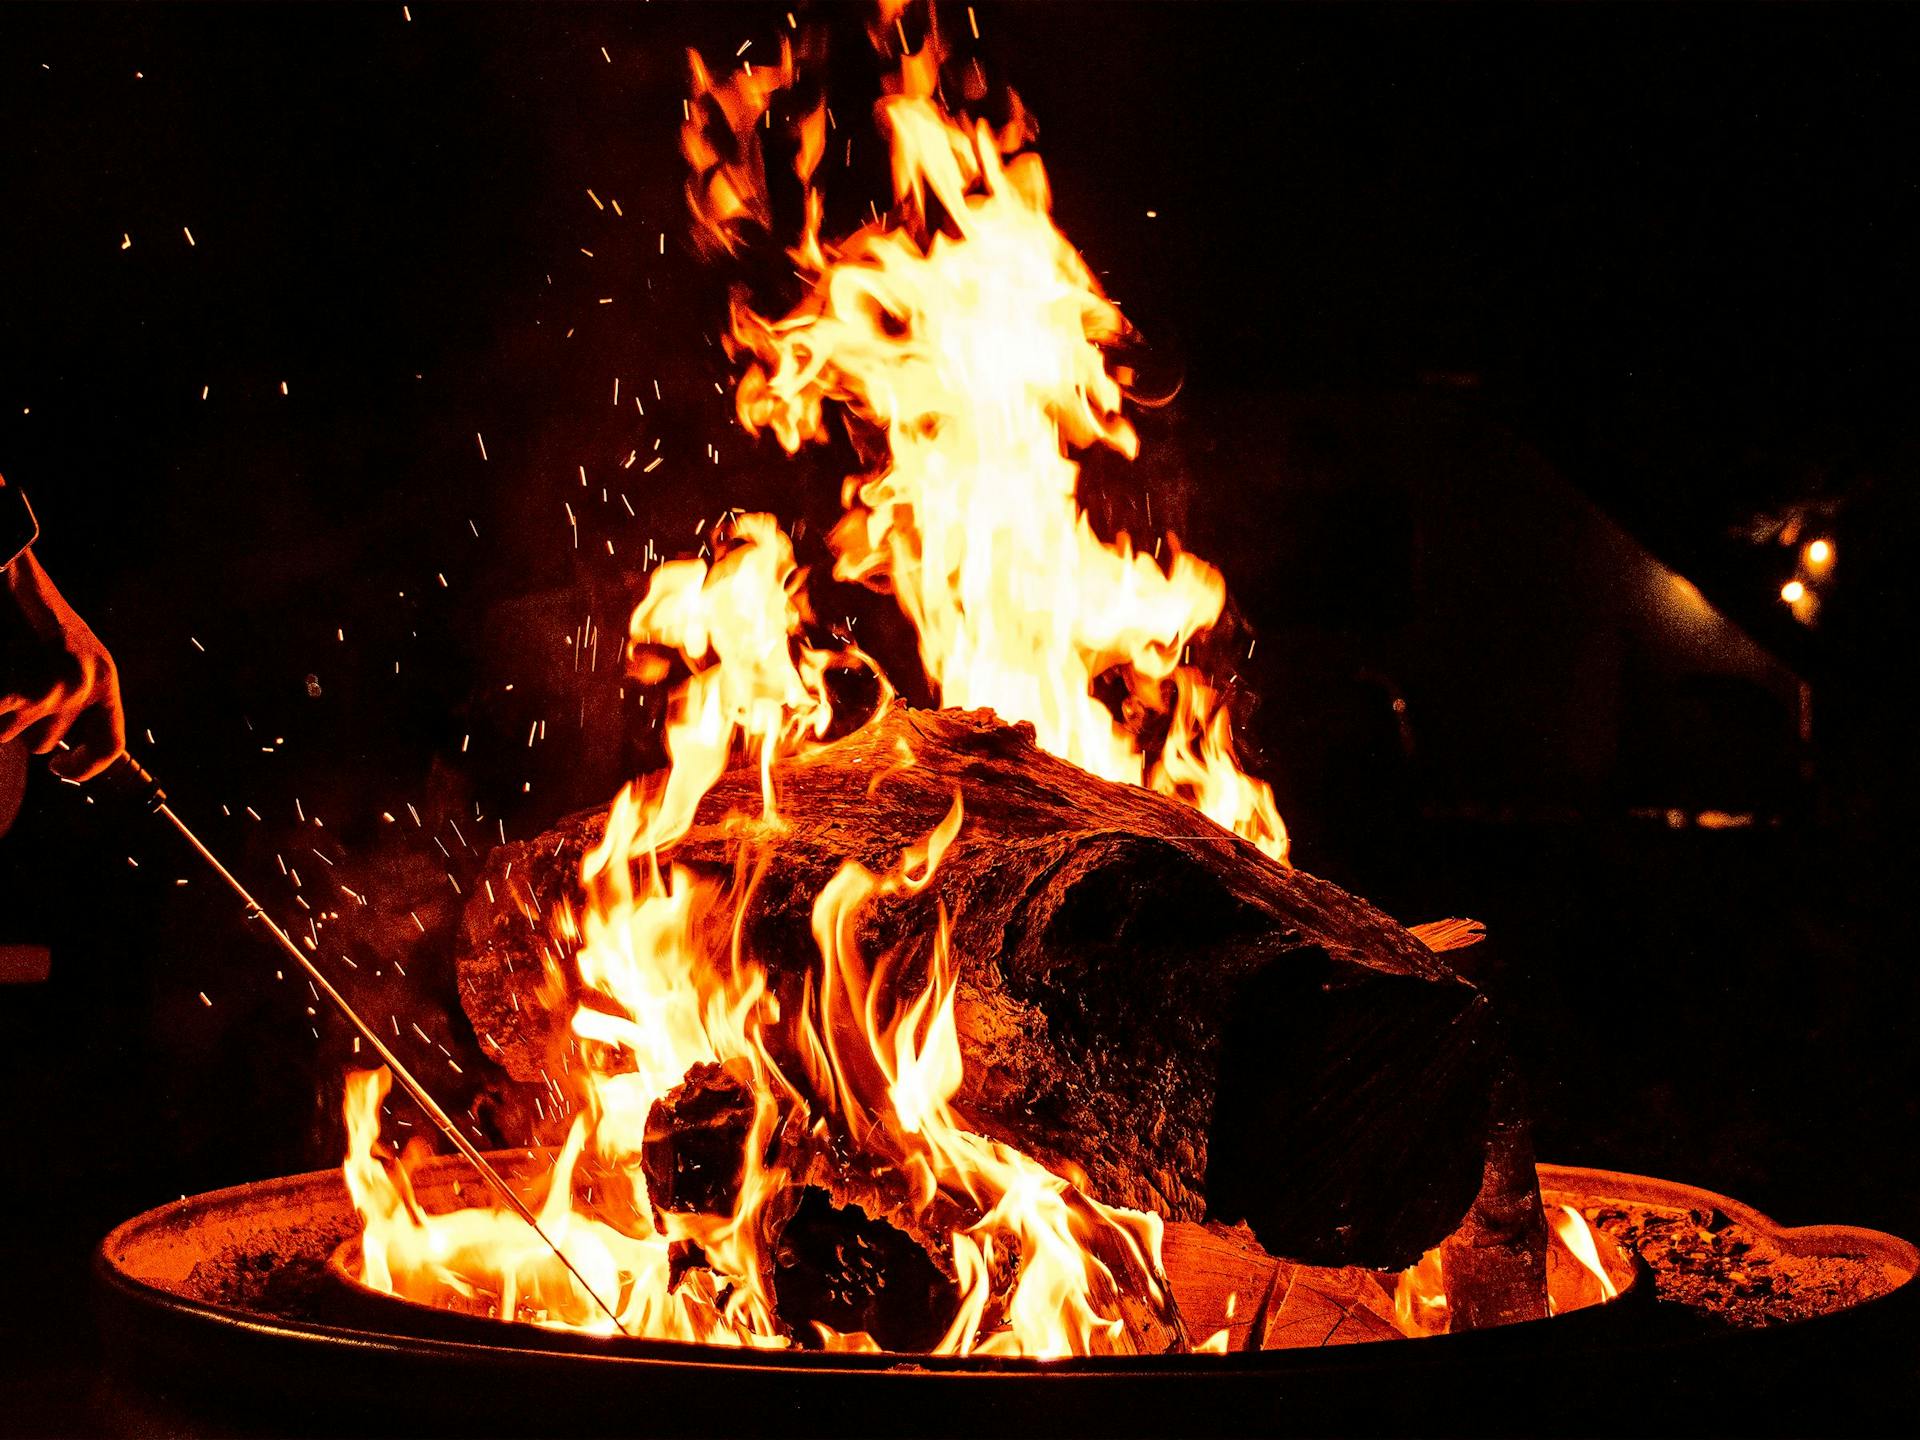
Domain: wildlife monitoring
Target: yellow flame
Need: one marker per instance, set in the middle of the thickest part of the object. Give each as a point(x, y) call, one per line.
point(970, 334)
point(1420, 1297)
point(1571, 1229)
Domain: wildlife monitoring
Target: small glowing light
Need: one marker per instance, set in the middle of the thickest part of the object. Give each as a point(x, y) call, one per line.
point(1819, 552)
point(1793, 592)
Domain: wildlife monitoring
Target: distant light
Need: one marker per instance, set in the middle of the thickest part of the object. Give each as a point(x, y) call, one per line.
point(1793, 592)
point(1819, 553)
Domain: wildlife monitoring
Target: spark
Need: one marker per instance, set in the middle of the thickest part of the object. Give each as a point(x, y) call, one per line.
point(483, 443)
point(188, 233)
point(596, 200)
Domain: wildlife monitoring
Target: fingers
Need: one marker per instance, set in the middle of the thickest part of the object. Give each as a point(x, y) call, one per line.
point(20, 714)
point(47, 732)
point(87, 716)
point(98, 738)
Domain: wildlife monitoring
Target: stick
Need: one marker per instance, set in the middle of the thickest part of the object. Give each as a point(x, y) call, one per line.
point(157, 801)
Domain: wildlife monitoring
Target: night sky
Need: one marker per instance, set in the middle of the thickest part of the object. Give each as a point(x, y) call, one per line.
point(1671, 249)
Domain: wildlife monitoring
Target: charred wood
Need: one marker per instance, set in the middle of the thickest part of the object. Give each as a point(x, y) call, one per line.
point(1145, 1003)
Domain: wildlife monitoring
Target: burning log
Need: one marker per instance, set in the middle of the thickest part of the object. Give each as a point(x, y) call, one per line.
point(853, 1247)
point(1145, 1003)
point(1495, 1264)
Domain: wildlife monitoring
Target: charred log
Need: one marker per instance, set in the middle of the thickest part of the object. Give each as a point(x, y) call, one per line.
point(837, 1266)
point(853, 1246)
point(1144, 1000)
point(1495, 1264)
point(695, 1153)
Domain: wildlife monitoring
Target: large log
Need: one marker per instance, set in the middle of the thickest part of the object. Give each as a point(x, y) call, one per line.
point(1144, 1000)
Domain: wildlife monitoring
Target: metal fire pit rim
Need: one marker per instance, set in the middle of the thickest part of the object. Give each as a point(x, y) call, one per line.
point(678, 1354)
point(1798, 1239)
point(642, 1354)
point(562, 1346)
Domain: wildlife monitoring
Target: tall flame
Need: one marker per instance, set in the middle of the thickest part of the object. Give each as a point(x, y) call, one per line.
point(969, 333)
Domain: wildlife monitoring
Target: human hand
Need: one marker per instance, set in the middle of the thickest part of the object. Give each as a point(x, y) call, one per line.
point(57, 681)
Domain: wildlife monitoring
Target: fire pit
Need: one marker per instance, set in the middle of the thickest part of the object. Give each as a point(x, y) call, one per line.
point(222, 1314)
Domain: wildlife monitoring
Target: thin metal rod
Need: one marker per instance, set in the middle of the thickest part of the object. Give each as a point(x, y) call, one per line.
point(392, 1061)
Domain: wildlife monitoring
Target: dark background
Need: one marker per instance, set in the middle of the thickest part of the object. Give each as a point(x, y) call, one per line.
point(1668, 250)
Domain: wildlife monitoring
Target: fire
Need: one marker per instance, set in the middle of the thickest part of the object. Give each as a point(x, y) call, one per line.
point(1570, 1228)
point(660, 953)
point(965, 332)
point(1420, 1297)
point(965, 329)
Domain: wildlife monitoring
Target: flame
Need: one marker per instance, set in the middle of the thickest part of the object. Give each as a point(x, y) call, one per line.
point(1420, 1297)
point(1570, 1228)
point(969, 334)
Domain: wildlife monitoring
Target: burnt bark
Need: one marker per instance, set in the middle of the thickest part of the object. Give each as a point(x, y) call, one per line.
point(851, 1245)
point(1495, 1264)
point(1144, 1000)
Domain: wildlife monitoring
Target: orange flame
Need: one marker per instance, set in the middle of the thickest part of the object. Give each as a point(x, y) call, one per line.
point(1420, 1297)
point(970, 334)
point(1570, 1228)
